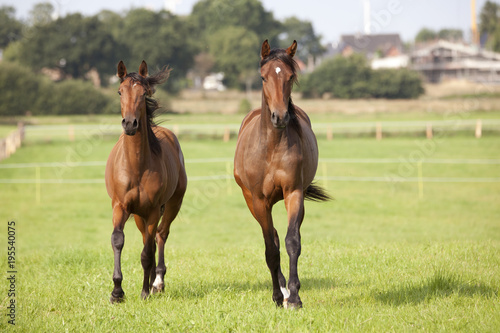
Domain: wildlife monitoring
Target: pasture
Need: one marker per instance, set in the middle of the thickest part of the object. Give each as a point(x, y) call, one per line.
point(404, 246)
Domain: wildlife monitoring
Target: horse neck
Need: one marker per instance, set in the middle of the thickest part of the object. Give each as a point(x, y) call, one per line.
point(272, 136)
point(136, 147)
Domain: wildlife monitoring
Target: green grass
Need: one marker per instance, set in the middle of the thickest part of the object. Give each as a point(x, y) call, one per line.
point(381, 257)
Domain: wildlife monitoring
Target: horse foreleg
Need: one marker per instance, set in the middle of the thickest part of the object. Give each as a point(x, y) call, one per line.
point(148, 253)
point(120, 216)
point(281, 278)
point(264, 217)
point(295, 210)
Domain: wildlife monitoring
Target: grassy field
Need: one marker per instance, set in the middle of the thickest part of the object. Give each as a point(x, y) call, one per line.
point(385, 255)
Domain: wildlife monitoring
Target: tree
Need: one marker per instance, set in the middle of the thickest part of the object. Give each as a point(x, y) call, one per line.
point(425, 35)
point(41, 13)
point(75, 44)
point(210, 16)
point(236, 53)
point(10, 28)
point(161, 39)
point(351, 77)
point(451, 34)
point(489, 25)
point(303, 32)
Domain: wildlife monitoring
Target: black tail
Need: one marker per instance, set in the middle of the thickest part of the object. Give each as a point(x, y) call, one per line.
point(316, 193)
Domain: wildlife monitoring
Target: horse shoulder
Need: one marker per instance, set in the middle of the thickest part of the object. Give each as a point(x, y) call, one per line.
point(249, 117)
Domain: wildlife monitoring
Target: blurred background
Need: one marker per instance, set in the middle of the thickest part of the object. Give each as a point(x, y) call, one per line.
point(403, 96)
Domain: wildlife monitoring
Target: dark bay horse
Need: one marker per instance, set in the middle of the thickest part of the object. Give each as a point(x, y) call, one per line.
point(276, 159)
point(145, 176)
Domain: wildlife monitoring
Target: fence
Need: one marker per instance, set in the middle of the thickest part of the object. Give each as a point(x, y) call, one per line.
point(474, 128)
point(12, 142)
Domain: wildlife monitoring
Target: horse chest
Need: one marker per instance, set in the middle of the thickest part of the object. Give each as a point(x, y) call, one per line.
point(143, 193)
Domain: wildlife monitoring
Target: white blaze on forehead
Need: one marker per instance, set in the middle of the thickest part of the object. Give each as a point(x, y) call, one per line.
point(278, 70)
point(134, 84)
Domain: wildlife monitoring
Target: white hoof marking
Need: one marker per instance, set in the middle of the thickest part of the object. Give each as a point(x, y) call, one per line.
point(285, 293)
point(158, 284)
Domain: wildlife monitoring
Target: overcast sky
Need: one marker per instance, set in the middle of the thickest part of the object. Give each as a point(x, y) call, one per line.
point(330, 18)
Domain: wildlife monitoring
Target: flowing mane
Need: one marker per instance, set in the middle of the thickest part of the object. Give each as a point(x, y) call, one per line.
point(152, 106)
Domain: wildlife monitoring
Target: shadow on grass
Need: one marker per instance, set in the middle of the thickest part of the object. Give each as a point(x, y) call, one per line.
point(440, 285)
point(199, 290)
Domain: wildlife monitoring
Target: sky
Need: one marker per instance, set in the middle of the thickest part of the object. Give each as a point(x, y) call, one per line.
point(330, 18)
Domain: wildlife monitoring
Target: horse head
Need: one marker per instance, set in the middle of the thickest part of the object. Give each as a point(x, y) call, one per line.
point(134, 88)
point(278, 73)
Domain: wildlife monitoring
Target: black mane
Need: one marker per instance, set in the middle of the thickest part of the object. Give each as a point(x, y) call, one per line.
point(152, 106)
point(284, 57)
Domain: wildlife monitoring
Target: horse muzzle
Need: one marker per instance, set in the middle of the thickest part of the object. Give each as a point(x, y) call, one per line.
point(130, 126)
point(280, 120)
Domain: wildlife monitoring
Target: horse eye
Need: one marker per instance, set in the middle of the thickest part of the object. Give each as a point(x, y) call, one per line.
point(292, 77)
point(119, 92)
point(264, 80)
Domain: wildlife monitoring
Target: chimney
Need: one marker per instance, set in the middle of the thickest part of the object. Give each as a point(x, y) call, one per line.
point(366, 5)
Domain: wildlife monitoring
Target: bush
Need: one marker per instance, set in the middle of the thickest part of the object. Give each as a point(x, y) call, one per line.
point(351, 77)
point(24, 91)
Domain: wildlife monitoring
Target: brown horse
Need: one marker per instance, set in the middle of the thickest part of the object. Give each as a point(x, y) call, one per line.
point(145, 176)
point(276, 158)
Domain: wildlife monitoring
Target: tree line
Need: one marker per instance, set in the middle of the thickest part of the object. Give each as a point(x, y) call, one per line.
point(218, 35)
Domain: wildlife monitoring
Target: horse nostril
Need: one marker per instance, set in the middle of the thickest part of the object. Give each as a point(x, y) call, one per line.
point(123, 121)
point(135, 123)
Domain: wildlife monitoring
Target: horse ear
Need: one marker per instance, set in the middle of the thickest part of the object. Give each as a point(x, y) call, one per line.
point(292, 49)
point(121, 71)
point(264, 51)
point(143, 69)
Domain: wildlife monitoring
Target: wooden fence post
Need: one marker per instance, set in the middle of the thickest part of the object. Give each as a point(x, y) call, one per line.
point(378, 131)
point(479, 128)
point(227, 134)
point(329, 133)
point(71, 133)
point(428, 131)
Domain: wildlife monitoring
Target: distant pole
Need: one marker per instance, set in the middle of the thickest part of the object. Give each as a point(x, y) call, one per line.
point(479, 128)
point(420, 181)
point(329, 133)
point(378, 131)
point(227, 134)
point(367, 21)
point(71, 133)
point(475, 35)
point(228, 179)
point(428, 132)
point(325, 175)
point(37, 185)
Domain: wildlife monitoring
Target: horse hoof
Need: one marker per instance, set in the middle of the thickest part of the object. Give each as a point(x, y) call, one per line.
point(157, 289)
point(144, 295)
point(293, 306)
point(115, 299)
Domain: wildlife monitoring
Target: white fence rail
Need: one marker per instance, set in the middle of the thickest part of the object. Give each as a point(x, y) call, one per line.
point(476, 127)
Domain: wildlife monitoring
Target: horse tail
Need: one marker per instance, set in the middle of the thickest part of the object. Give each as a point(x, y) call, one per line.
point(316, 193)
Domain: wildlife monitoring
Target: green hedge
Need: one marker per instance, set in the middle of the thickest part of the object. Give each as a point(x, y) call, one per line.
point(351, 77)
point(23, 91)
